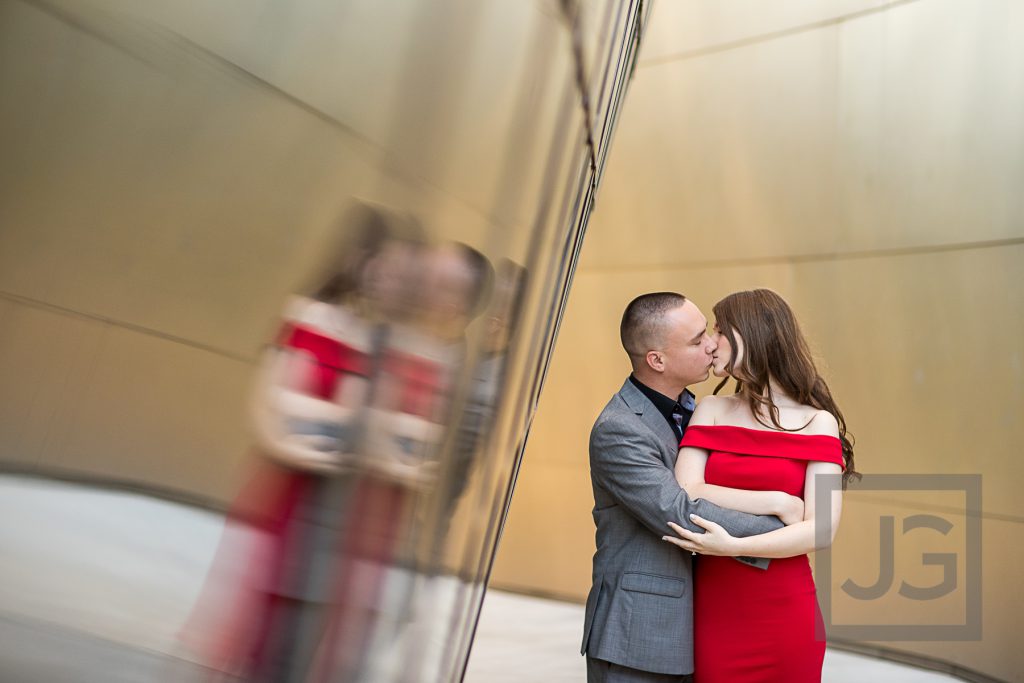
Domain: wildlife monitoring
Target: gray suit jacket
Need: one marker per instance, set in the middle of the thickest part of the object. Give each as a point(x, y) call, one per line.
point(640, 608)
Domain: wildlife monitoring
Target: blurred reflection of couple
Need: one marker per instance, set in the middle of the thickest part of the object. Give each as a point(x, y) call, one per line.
point(353, 403)
point(681, 492)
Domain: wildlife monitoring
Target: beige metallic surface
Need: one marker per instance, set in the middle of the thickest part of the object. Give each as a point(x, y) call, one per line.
point(864, 160)
point(167, 182)
point(173, 171)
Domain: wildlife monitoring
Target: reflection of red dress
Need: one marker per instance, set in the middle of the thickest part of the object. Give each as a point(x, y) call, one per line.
point(245, 595)
point(753, 625)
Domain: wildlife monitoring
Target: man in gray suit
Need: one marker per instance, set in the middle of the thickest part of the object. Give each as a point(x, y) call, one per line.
point(639, 617)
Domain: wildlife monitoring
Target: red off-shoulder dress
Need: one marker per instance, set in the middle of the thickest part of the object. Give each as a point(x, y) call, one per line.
point(753, 625)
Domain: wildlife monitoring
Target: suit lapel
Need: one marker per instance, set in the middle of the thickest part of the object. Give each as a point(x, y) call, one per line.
point(654, 420)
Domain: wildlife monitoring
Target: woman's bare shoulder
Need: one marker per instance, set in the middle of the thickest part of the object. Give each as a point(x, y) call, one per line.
point(720, 400)
point(714, 409)
point(822, 423)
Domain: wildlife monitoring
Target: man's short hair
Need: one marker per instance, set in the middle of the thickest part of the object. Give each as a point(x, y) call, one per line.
point(642, 327)
point(483, 278)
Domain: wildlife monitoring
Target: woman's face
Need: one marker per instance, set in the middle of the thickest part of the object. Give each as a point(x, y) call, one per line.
point(725, 352)
point(389, 278)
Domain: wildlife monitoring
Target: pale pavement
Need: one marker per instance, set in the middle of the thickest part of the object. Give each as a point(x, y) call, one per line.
point(95, 584)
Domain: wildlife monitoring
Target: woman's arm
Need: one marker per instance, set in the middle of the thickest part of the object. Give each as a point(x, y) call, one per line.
point(283, 399)
point(797, 539)
point(689, 473)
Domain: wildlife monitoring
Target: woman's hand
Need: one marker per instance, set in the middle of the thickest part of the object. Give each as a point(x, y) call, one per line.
point(714, 541)
point(790, 509)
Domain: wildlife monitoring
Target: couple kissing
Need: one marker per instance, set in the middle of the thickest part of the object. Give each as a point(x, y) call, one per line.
point(705, 513)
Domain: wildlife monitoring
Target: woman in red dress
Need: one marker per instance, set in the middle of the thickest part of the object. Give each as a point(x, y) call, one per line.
point(309, 405)
point(780, 431)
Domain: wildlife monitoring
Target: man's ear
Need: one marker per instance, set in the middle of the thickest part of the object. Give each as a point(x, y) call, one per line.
point(655, 361)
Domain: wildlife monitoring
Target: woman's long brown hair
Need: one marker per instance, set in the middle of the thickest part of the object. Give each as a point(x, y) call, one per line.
point(774, 349)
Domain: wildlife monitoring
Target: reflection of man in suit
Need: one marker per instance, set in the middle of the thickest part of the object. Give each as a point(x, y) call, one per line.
point(639, 617)
point(474, 422)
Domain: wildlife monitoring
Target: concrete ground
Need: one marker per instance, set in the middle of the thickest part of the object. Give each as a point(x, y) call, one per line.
point(95, 586)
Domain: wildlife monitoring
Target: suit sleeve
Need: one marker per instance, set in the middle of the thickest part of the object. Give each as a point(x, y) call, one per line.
point(628, 467)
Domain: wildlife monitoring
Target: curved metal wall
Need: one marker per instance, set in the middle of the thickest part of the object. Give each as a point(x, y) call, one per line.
point(173, 171)
point(863, 159)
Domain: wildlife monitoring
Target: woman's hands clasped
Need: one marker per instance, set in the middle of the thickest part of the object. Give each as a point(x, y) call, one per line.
point(715, 540)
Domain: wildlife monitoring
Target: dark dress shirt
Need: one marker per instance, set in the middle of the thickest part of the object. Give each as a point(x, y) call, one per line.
point(677, 411)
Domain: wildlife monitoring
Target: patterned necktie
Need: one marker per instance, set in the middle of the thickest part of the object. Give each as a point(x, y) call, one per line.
point(677, 417)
